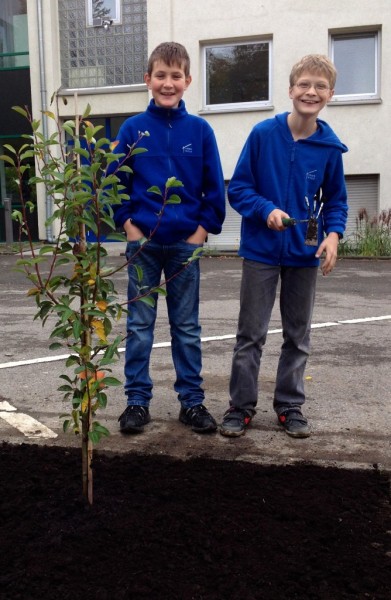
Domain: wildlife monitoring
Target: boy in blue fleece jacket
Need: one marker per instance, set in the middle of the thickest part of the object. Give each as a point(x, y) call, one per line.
point(183, 146)
point(290, 170)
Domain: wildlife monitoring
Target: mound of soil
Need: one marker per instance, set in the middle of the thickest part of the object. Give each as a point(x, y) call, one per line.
point(200, 529)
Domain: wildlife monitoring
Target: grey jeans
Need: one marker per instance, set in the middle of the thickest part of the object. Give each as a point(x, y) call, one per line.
point(257, 296)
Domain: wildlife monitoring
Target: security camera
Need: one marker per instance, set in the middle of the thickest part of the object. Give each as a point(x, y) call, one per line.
point(106, 23)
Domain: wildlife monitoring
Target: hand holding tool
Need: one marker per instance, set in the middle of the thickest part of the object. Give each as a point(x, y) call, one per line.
point(288, 222)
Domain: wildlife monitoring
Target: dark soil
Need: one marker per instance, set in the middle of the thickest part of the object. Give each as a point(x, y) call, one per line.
point(199, 529)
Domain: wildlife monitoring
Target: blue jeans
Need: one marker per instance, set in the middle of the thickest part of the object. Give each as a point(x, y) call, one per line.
point(257, 297)
point(183, 308)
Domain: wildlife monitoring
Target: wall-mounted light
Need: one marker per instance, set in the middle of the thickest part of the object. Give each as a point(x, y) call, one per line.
point(105, 23)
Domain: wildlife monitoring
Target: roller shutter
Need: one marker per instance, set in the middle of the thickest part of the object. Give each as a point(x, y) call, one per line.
point(230, 236)
point(363, 192)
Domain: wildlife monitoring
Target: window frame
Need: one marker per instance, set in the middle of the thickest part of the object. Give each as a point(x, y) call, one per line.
point(364, 97)
point(115, 18)
point(236, 106)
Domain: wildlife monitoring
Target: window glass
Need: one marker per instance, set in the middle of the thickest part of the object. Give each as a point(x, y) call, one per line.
point(237, 74)
point(356, 60)
point(13, 34)
point(100, 10)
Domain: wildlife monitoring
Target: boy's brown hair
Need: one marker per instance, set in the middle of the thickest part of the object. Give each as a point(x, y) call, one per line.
point(314, 63)
point(170, 53)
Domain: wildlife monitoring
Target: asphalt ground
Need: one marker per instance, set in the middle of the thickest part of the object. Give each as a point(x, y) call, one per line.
point(347, 376)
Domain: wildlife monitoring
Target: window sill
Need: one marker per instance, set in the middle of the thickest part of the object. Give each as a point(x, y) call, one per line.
point(337, 102)
point(109, 89)
point(231, 109)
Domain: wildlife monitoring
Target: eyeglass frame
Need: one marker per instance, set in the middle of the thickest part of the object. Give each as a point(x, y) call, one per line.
point(306, 85)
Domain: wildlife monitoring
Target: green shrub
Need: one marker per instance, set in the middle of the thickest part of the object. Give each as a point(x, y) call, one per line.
point(371, 238)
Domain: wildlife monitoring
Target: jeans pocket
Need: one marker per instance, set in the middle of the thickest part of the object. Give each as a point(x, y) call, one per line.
point(131, 248)
point(191, 245)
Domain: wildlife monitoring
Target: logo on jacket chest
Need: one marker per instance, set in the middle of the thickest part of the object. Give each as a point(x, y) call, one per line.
point(188, 149)
point(311, 175)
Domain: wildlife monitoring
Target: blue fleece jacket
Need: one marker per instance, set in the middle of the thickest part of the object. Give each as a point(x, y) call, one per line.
point(179, 145)
point(274, 171)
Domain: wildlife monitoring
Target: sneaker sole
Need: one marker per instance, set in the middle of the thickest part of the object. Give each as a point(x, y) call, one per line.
point(134, 429)
point(295, 434)
point(209, 429)
point(230, 433)
point(298, 434)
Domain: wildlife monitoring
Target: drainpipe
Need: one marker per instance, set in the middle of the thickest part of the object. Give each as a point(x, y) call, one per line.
point(42, 81)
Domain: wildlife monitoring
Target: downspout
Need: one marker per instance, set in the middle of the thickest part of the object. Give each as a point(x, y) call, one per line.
point(42, 81)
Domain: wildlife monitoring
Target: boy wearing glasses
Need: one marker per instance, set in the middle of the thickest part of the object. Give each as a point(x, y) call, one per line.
point(289, 187)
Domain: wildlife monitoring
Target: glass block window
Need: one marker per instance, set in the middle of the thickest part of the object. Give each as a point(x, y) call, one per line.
point(107, 54)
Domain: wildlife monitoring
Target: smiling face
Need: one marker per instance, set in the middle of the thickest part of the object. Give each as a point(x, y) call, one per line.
point(310, 93)
point(167, 84)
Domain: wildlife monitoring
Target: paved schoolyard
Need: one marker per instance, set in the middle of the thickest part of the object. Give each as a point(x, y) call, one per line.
point(347, 384)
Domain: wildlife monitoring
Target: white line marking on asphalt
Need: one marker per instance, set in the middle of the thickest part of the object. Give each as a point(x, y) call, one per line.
point(27, 425)
point(214, 338)
point(34, 429)
point(7, 406)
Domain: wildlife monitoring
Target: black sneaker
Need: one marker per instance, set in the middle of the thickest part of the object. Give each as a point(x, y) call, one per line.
point(199, 419)
point(294, 423)
point(235, 421)
point(134, 418)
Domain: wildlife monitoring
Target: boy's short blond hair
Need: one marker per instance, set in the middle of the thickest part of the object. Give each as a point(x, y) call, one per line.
point(170, 53)
point(314, 63)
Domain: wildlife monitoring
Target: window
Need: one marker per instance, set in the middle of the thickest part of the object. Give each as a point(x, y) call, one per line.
point(13, 35)
point(103, 55)
point(237, 75)
point(356, 57)
point(100, 12)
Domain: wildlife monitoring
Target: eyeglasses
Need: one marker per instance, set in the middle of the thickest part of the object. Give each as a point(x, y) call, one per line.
point(306, 85)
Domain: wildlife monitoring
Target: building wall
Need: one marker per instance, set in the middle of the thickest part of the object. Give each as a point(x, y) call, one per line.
point(296, 28)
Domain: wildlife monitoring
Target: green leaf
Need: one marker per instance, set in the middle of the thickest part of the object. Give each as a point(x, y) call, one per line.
point(10, 148)
point(148, 300)
point(27, 154)
point(100, 428)
point(49, 114)
point(94, 436)
point(21, 111)
point(55, 346)
point(47, 250)
point(82, 152)
point(173, 182)
point(77, 328)
point(70, 123)
point(110, 381)
point(197, 254)
point(66, 378)
point(139, 272)
point(87, 111)
point(102, 142)
point(7, 159)
point(71, 360)
point(65, 425)
point(138, 151)
point(65, 388)
point(174, 199)
point(155, 190)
